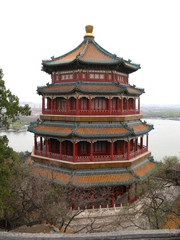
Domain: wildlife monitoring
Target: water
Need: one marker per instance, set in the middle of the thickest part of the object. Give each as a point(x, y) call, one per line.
point(164, 140)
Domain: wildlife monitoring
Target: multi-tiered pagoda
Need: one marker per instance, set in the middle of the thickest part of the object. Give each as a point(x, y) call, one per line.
point(90, 132)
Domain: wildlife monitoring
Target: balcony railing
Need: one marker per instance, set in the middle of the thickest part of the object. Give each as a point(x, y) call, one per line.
point(88, 112)
point(95, 158)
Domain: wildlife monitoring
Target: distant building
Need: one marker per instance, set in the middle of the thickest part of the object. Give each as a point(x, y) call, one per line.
point(90, 132)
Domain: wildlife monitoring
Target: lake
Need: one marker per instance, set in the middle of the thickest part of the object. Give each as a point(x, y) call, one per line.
point(164, 140)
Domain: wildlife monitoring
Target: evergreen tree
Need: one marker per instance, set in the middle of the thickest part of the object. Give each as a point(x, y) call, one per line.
point(9, 105)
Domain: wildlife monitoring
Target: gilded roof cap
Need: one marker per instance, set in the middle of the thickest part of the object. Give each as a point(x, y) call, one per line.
point(89, 30)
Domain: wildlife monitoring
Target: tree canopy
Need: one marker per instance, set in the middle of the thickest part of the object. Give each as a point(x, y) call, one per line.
point(9, 105)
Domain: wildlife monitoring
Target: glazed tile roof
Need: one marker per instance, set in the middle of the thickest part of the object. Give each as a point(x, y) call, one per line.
point(96, 177)
point(140, 127)
point(89, 87)
point(103, 179)
point(145, 169)
point(87, 130)
point(72, 55)
point(89, 52)
point(101, 131)
point(54, 129)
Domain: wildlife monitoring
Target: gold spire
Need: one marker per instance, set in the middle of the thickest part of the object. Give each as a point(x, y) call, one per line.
point(89, 30)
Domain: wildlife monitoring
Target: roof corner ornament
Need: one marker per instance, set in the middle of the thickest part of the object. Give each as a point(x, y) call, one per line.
point(89, 30)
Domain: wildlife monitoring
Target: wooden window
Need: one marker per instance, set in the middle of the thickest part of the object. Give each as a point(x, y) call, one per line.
point(83, 147)
point(100, 147)
point(113, 104)
point(91, 75)
point(101, 76)
point(62, 77)
point(83, 103)
point(62, 104)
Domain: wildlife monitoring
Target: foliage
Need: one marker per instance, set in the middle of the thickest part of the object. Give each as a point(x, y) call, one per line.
point(9, 106)
point(7, 159)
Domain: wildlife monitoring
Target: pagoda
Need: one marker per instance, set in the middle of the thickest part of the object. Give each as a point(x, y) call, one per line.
point(90, 132)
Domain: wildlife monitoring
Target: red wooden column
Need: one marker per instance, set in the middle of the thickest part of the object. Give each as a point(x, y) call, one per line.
point(43, 104)
point(60, 149)
point(46, 146)
point(89, 107)
point(52, 105)
point(139, 105)
point(91, 152)
point(121, 105)
point(35, 144)
point(66, 105)
point(77, 105)
point(117, 106)
point(135, 146)
point(109, 105)
point(147, 141)
point(111, 150)
point(128, 150)
point(123, 147)
point(41, 147)
point(127, 105)
point(74, 151)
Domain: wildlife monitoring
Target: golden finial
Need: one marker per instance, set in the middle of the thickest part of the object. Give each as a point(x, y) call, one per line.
point(89, 30)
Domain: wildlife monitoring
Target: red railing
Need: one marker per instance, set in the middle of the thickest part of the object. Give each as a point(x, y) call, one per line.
point(93, 112)
point(95, 158)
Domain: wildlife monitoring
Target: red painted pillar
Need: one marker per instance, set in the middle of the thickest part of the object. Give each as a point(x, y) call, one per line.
point(74, 151)
point(117, 106)
point(127, 105)
point(139, 105)
point(147, 141)
point(91, 152)
point(60, 149)
point(121, 105)
point(46, 146)
point(43, 104)
point(110, 105)
point(112, 156)
point(128, 150)
point(123, 147)
point(77, 105)
point(135, 146)
point(89, 105)
point(65, 148)
point(67, 105)
point(51, 105)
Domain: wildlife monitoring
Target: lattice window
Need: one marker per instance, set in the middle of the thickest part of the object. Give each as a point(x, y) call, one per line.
point(83, 103)
point(101, 76)
point(83, 147)
point(91, 75)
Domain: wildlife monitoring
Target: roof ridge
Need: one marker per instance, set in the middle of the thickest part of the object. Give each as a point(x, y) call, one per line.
point(57, 58)
point(85, 48)
point(104, 51)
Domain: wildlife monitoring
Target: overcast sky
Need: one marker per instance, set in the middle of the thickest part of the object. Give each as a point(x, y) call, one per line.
point(145, 31)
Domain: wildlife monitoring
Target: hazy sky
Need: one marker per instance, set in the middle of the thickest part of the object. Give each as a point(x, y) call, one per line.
point(145, 31)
